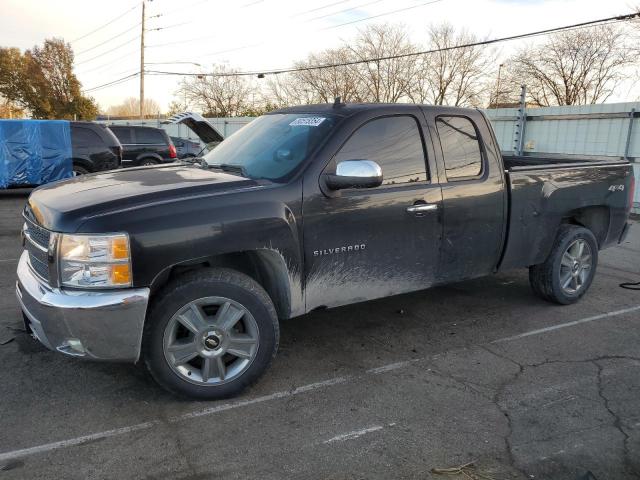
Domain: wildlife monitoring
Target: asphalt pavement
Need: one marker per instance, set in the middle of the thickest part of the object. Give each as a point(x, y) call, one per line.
point(479, 372)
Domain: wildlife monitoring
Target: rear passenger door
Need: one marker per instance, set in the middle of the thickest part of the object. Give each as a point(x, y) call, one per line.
point(361, 244)
point(125, 136)
point(87, 145)
point(473, 196)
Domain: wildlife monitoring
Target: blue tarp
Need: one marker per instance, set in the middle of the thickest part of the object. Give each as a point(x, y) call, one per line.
point(34, 152)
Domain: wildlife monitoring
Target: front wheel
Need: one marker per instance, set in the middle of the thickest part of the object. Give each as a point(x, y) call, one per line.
point(210, 334)
point(567, 273)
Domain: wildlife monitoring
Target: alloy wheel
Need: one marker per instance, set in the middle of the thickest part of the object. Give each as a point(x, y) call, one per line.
point(575, 266)
point(211, 341)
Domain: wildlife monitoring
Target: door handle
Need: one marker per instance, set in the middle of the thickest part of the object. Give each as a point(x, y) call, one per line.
point(422, 208)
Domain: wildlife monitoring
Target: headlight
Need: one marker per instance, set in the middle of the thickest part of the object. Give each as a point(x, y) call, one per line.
point(95, 261)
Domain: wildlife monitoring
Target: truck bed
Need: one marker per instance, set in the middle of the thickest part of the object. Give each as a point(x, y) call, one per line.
point(546, 191)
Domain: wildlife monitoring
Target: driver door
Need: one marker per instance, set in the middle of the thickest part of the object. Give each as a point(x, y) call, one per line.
point(361, 244)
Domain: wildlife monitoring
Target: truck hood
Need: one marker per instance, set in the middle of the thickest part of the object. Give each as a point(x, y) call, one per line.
point(62, 206)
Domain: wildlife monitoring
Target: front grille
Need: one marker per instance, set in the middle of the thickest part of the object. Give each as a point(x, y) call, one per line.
point(37, 244)
point(38, 260)
point(38, 234)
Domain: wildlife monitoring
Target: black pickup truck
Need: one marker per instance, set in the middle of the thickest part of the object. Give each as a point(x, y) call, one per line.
point(189, 267)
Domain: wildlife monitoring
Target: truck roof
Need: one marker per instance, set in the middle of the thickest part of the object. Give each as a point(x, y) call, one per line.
point(348, 109)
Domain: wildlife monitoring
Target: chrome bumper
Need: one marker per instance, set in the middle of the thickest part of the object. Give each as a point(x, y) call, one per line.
point(100, 325)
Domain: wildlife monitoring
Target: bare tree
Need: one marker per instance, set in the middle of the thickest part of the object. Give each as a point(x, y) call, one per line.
point(387, 80)
point(286, 90)
point(575, 67)
point(326, 84)
point(131, 107)
point(454, 75)
point(218, 94)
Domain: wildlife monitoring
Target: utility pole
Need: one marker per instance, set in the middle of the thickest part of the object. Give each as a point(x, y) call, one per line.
point(496, 99)
point(142, 65)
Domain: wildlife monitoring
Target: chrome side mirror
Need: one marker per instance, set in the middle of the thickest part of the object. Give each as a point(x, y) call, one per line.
point(355, 174)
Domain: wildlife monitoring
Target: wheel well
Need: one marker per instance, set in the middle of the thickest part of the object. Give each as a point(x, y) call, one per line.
point(149, 156)
point(262, 266)
point(83, 163)
point(595, 218)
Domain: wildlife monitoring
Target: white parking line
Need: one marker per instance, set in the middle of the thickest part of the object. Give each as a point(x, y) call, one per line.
point(47, 447)
point(356, 433)
point(568, 324)
point(77, 440)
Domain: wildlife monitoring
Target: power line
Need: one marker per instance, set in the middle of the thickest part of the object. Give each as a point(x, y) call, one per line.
point(332, 14)
point(319, 8)
point(109, 51)
point(109, 39)
point(412, 54)
point(208, 37)
point(383, 14)
point(169, 26)
point(186, 9)
point(113, 82)
point(116, 60)
point(105, 25)
point(243, 47)
point(189, 40)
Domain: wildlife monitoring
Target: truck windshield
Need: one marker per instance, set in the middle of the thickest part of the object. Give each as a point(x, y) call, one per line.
point(272, 146)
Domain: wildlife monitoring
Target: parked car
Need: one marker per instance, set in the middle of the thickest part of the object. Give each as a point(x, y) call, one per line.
point(35, 152)
point(199, 125)
point(185, 147)
point(304, 208)
point(94, 148)
point(144, 145)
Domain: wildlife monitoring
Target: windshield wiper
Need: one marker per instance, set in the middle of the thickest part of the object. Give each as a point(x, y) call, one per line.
point(228, 167)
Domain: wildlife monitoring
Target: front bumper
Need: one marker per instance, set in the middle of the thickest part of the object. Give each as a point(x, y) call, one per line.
point(100, 325)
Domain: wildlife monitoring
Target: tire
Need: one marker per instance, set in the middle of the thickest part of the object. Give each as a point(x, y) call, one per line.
point(148, 162)
point(208, 292)
point(549, 279)
point(79, 170)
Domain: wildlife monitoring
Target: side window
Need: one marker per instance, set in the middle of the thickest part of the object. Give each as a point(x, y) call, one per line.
point(85, 137)
point(150, 136)
point(394, 143)
point(123, 134)
point(460, 147)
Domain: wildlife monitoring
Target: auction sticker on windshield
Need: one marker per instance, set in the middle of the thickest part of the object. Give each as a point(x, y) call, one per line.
point(307, 121)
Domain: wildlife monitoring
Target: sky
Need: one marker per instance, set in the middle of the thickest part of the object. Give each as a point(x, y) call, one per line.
point(256, 34)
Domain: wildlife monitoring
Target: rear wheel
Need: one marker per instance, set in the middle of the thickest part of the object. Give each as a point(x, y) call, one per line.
point(210, 334)
point(567, 273)
point(148, 161)
point(79, 170)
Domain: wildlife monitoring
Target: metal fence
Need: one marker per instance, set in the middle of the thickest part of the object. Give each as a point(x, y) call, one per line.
point(611, 130)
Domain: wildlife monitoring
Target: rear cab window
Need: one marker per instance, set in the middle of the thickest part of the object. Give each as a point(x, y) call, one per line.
point(394, 143)
point(461, 148)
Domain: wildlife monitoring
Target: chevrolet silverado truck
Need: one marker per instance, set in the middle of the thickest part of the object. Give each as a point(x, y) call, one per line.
point(189, 267)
